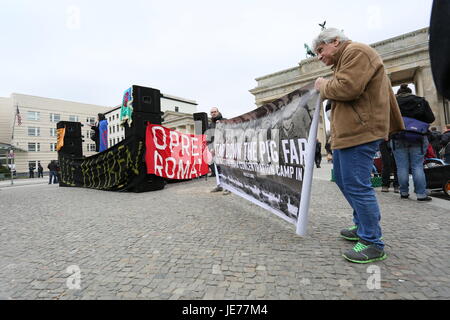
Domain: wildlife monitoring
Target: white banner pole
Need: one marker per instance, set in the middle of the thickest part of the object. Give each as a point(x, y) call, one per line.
point(302, 219)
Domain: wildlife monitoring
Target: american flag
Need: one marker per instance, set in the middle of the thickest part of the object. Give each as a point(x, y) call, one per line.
point(19, 117)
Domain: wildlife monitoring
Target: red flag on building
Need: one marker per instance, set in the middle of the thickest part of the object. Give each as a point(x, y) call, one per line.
point(18, 116)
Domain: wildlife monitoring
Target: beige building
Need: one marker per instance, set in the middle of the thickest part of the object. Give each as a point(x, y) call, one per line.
point(34, 140)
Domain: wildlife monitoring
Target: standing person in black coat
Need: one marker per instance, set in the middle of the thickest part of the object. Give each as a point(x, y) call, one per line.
point(31, 169)
point(318, 155)
point(434, 137)
point(40, 171)
point(410, 155)
point(215, 116)
point(95, 136)
point(389, 166)
point(329, 151)
point(52, 167)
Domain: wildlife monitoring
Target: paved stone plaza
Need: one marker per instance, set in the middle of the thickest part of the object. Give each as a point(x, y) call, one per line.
point(185, 243)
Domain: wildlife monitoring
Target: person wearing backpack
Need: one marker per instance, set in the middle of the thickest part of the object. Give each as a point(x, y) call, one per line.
point(409, 146)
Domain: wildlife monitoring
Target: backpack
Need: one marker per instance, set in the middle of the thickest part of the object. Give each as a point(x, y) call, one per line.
point(414, 131)
point(412, 106)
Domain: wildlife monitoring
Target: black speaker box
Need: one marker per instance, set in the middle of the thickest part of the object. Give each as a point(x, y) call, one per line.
point(73, 129)
point(146, 100)
point(200, 122)
point(72, 147)
point(138, 125)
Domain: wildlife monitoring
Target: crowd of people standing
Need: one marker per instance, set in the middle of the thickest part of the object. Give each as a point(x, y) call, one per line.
point(53, 168)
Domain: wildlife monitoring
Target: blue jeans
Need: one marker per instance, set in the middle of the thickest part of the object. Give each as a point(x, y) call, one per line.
point(55, 177)
point(352, 169)
point(410, 156)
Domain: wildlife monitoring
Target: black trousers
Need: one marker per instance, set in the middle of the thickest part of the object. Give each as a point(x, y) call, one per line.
point(389, 165)
point(318, 159)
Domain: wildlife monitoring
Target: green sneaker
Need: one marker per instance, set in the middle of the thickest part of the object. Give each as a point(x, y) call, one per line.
point(365, 252)
point(350, 234)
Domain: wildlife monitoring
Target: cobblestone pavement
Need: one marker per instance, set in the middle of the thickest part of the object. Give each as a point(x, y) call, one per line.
point(185, 243)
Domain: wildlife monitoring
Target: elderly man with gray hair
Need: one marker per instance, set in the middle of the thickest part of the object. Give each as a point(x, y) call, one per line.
point(364, 112)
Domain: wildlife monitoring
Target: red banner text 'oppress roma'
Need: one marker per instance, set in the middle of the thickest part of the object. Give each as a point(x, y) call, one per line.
point(175, 155)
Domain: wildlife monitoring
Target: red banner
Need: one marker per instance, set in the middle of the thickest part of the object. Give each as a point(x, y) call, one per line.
point(175, 155)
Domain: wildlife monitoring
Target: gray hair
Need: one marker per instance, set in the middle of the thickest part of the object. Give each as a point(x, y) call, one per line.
point(327, 36)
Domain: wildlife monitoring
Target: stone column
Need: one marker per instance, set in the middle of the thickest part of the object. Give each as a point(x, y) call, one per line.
point(425, 88)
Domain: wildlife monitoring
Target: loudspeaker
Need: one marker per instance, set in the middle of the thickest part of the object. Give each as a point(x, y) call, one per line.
point(72, 147)
point(73, 129)
point(138, 126)
point(200, 122)
point(146, 100)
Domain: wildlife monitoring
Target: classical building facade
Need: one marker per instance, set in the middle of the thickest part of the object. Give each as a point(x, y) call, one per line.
point(406, 59)
point(34, 140)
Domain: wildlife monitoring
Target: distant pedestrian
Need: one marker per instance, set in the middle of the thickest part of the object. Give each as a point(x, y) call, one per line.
point(100, 133)
point(53, 172)
point(329, 151)
point(40, 171)
point(318, 155)
point(216, 116)
point(388, 168)
point(31, 170)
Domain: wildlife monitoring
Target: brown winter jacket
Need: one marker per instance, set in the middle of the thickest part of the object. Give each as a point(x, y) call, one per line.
point(364, 107)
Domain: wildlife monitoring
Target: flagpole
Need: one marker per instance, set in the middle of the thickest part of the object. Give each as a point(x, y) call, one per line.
point(302, 219)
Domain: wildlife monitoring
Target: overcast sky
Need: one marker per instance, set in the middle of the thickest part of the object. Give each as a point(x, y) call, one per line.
point(208, 51)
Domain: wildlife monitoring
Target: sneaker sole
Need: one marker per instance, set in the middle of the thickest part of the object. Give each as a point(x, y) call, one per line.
point(350, 239)
point(366, 261)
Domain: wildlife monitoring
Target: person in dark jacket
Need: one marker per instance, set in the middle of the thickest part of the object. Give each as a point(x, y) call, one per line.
point(96, 135)
point(410, 155)
point(329, 151)
point(445, 143)
point(31, 169)
point(318, 155)
point(40, 171)
point(389, 167)
point(434, 136)
point(52, 167)
point(215, 116)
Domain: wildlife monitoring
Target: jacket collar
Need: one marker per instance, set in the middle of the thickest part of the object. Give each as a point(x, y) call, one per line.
point(218, 118)
point(337, 55)
point(406, 94)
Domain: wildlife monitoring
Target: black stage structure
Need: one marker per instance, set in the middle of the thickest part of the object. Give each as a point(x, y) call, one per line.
point(121, 167)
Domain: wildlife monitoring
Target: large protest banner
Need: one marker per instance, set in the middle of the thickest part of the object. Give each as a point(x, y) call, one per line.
point(267, 155)
point(175, 155)
point(114, 169)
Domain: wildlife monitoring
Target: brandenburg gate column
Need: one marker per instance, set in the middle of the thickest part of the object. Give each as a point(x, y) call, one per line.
point(425, 87)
